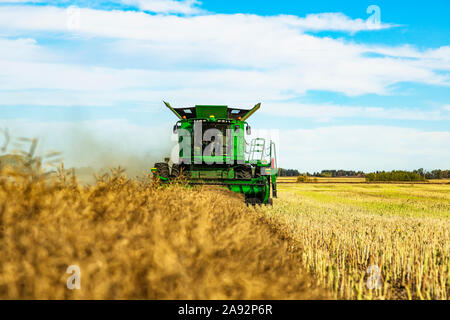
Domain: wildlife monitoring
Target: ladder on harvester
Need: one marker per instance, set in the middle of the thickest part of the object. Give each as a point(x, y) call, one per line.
point(257, 147)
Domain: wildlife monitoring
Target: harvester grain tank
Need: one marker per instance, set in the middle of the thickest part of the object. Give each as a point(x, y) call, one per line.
point(213, 151)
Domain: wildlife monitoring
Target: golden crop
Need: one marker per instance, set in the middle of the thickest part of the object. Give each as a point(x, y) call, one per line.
point(133, 239)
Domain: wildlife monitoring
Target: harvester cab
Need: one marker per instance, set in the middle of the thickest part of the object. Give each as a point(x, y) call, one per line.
point(213, 151)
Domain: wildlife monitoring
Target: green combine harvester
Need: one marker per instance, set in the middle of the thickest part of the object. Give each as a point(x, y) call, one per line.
point(213, 151)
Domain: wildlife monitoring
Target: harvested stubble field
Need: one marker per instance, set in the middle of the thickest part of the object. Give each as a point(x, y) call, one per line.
point(341, 230)
point(133, 239)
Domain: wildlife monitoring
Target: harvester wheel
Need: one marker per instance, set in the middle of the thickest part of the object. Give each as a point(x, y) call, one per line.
point(252, 201)
point(243, 172)
point(175, 170)
point(162, 169)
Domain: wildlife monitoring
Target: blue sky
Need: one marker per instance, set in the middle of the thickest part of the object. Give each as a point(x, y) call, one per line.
point(341, 91)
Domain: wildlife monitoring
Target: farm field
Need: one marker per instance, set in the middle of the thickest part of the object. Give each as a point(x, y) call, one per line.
point(134, 239)
point(395, 231)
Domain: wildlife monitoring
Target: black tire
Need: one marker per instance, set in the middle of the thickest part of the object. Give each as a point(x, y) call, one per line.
point(243, 172)
point(252, 201)
point(162, 169)
point(175, 170)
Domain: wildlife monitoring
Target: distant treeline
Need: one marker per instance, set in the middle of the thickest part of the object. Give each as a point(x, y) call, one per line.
point(434, 174)
point(288, 172)
point(396, 175)
point(415, 175)
point(324, 173)
point(338, 173)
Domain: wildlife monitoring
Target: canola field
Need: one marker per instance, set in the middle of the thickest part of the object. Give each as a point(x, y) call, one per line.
point(136, 239)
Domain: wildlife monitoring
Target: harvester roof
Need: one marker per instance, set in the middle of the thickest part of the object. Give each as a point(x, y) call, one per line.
point(219, 112)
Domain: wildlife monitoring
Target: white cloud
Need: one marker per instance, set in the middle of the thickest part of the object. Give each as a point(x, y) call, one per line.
point(263, 58)
point(23, 50)
point(30, 75)
point(71, 85)
point(267, 59)
point(166, 6)
point(365, 148)
point(332, 21)
point(322, 112)
point(138, 25)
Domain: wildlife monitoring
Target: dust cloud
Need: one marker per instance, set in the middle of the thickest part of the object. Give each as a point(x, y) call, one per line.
point(95, 147)
point(136, 152)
